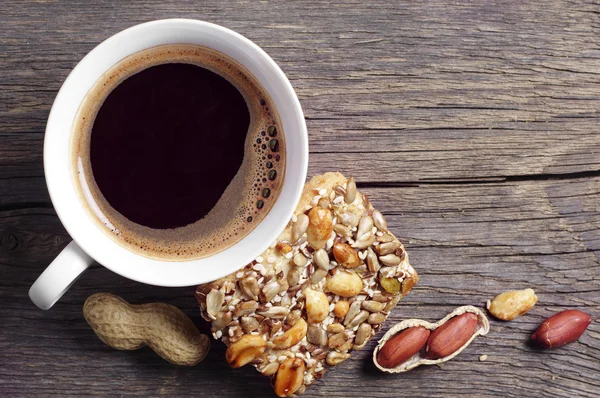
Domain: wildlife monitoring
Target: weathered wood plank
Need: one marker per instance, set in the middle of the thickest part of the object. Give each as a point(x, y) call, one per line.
point(443, 91)
point(467, 245)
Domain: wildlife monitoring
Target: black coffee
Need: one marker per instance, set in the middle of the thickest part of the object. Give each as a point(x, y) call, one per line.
point(179, 152)
point(167, 142)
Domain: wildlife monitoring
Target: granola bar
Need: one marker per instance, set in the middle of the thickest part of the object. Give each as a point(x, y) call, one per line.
point(323, 289)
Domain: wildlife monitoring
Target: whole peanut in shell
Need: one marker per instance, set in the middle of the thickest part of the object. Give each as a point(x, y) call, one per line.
point(450, 336)
point(162, 327)
point(562, 328)
point(402, 346)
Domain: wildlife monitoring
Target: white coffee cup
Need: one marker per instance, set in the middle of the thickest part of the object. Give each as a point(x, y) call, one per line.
point(90, 243)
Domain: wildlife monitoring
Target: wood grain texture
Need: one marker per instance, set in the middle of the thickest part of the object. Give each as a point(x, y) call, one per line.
point(473, 126)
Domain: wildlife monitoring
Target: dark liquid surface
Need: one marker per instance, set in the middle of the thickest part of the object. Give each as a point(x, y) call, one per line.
point(167, 142)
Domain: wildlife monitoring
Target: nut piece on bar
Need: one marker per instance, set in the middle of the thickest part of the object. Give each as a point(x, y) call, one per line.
point(323, 289)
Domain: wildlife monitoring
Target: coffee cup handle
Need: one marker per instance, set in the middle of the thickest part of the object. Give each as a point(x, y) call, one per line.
point(60, 275)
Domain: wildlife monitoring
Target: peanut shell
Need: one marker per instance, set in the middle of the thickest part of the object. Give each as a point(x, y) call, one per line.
point(162, 327)
point(483, 327)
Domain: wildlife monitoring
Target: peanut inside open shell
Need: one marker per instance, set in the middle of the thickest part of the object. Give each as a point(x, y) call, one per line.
point(483, 327)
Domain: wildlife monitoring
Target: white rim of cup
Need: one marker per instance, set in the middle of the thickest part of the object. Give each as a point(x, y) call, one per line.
point(87, 232)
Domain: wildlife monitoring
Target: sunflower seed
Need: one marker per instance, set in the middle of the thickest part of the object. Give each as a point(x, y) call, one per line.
point(321, 259)
point(270, 368)
point(346, 346)
point(372, 261)
point(376, 318)
point(335, 328)
point(388, 272)
point(340, 190)
point(335, 358)
point(364, 241)
point(318, 275)
point(293, 277)
point(285, 300)
point(385, 238)
point(269, 291)
point(350, 219)
point(249, 324)
point(337, 340)
point(358, 319)
point(222, 320)
point(324, 203)
point(342, 230)
point(352, 312)
point(316, 335)
point(372, 306)
point(379, 221)
point(350, 191)
point(378, 296)
point(365, 226)
point(300, 226)
point(387, 248)
point(245, 308)
point(275, 312)
point(362, 334)
point(300, 260)
point(390, 260)
point(214, 301)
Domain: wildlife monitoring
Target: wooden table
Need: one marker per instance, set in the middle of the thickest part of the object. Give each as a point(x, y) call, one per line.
point(472, 125)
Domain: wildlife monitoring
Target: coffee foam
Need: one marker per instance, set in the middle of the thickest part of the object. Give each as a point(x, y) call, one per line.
point(227, 223)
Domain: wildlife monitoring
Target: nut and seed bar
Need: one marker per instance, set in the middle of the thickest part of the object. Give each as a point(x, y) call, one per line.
point(323, 289)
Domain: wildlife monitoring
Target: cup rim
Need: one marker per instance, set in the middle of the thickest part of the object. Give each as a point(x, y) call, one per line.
point(60, 179)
